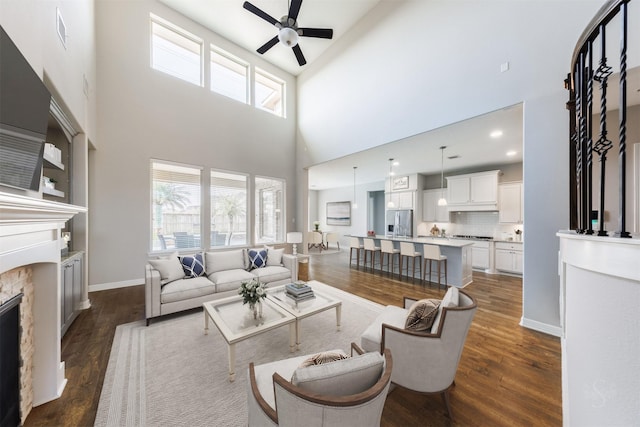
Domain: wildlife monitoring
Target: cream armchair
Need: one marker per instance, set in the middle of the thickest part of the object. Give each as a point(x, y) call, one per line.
point(350, 391)
point(314, 240)
point(424, 361)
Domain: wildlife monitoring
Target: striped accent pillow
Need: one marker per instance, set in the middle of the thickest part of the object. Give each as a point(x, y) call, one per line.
point(422, 314)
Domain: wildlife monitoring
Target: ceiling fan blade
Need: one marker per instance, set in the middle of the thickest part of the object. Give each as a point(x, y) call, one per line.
point(299, 56)
point(322, 33)
point(259, 12)
point(294, 9)
point(268, 45)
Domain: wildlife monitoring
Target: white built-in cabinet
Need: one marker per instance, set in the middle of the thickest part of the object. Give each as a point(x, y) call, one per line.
point(430, 209)
point(510, 202)
point(71, 289)
point(509, 257)
point(401, 199)
point(477, 191)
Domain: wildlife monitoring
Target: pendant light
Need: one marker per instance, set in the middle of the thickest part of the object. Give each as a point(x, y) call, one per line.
point(390, 204)
point(355, 203)
point(442, 201)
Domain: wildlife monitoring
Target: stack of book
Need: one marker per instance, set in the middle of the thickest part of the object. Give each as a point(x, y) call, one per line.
point(299, 292)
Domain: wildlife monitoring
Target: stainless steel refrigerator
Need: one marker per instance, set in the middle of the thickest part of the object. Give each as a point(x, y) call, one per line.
point(399, 223)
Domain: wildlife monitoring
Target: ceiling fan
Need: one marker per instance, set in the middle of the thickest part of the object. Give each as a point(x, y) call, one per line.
point(288, 30)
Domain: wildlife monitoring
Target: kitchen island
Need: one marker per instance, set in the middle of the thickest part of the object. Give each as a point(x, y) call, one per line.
point(458, 253)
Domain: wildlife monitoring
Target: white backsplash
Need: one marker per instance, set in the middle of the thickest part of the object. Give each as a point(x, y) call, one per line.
point(479, 224)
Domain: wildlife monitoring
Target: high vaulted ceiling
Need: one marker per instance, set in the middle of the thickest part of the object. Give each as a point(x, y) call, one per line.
point(230, 20)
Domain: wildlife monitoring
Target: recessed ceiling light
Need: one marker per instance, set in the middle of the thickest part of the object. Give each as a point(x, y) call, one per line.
point(496, 134)
point(511, 153)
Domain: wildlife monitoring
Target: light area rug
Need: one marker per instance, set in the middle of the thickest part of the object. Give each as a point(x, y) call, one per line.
point(170, 373)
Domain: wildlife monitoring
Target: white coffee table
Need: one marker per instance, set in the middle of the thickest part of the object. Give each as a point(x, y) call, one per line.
point(235, 322)
point(303, 309)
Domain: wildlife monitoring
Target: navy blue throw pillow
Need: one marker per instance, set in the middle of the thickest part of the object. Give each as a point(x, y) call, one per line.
point(257, 258)
point(193, 266)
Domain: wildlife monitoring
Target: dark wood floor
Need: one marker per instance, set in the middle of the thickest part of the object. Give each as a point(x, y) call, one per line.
point(508, 375)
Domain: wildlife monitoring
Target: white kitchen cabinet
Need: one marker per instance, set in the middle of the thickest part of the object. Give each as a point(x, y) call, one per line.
point(430, 209)
point(509, 257)
point(480, 255)
point(401, 199)
point(510, 198)
point(475, 191)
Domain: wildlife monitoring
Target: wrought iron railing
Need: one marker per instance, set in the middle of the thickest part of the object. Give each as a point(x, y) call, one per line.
point(583, 144)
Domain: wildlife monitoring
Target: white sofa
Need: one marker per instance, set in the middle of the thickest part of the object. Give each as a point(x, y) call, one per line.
point(168, 289)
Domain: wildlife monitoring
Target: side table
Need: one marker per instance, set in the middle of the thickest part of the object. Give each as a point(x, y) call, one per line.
point(303, 267)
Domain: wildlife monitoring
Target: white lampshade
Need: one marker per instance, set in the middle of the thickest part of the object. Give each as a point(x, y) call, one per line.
point(442, 201)
point(288, 36)
point(294, 237)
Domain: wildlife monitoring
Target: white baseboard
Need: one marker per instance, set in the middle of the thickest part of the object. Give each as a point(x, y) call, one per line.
point(115, 285)
point(556, 331)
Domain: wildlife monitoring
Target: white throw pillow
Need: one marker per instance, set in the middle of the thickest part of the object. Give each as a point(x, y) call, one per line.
point(451, 299)
point(274, 256)
point(224, 260)
point(169, 267)
point(343, 377)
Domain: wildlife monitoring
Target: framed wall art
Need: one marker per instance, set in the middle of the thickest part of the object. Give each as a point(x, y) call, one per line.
point(338, 213)
point(401, 182)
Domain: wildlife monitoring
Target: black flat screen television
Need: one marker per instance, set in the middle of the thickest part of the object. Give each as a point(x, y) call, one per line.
point(24, 114)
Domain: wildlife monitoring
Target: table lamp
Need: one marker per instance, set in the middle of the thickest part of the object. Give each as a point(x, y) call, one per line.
point(294, 237)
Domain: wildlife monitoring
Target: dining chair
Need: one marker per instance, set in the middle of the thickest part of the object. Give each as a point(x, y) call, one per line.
point(408, 250)
point(371, 248)
point(354, 244)
point(432, 253)
point(387, 248)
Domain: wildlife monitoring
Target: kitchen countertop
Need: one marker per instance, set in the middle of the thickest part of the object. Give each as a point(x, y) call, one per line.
point(442, 241)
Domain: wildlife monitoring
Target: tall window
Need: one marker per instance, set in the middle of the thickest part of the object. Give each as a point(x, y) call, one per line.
point(269, 92)
point(175, 51)
point(175, 206)
point(228, 209)
point(269, 206)
point(229, 75)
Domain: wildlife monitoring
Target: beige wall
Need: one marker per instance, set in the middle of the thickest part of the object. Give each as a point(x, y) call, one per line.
point(147, 114)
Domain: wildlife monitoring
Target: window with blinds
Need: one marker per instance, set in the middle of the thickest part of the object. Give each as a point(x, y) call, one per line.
point(269, 205)
point(176, 207)
point(228, 209)
point(229, 75)
point(176, 52)
point(269, 92)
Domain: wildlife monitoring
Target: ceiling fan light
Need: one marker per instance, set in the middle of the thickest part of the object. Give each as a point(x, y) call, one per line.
point(288, 36)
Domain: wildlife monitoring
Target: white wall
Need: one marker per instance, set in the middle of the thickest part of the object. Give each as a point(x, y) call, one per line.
point(147, 114)
point(31, 24)
point(358, 216)
point(412, 66)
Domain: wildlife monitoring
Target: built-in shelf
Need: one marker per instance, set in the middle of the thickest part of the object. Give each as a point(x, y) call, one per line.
point(50, 161)
point(52, 192)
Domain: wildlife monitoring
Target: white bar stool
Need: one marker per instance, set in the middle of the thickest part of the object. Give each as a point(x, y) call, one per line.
point(370, 246)
point(355, 244)
point(432, 253)
point(386, 247)
point(408, 249)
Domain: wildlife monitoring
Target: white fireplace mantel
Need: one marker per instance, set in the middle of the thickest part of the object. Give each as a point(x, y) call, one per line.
point(30, 236)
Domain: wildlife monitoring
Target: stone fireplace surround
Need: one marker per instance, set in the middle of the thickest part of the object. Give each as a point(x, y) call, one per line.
point(30, 236)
